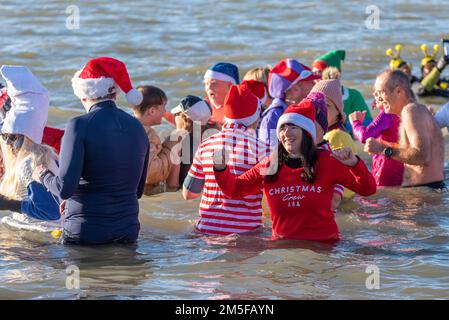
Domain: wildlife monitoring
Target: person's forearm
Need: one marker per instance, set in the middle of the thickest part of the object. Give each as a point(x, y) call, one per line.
point(159, 167)
point(10, 204)
point(364, 185)
point(238, 186)
point(71, 163)
point(53, 184)
point(362, 133)
point(430, 80)
point(411, 156)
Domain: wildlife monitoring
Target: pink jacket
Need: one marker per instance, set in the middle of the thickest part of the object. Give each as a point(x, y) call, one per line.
point(386, 127)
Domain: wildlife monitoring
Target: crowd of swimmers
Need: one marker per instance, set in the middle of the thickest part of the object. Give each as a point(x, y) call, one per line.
point(284, 132)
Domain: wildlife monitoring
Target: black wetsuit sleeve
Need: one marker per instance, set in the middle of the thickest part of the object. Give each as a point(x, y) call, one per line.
point(143, 178)
point(71, 162)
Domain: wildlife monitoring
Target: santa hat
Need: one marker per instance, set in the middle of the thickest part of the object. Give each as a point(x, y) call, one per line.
point(223, 71)
point(99, 75)
point(257, 88)
point(285, 75)
point(332, 90)
point(29, 103)
point(241, 106)
point(330, 59)
point(301, 115)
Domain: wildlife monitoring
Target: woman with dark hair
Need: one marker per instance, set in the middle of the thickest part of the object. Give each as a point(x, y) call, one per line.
point(300, 181)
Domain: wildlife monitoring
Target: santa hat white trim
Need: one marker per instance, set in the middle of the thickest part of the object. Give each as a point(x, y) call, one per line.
point(248, 120)
point(92, 88)
point(219, 76)
point(298, 120)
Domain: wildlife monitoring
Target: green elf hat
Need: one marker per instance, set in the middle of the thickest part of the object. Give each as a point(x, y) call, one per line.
point(331, 59)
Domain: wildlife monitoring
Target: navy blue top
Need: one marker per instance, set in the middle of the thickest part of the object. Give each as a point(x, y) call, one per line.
point(102, 171)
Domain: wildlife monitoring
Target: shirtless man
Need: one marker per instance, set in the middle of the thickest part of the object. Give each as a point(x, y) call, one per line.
point(421, 146)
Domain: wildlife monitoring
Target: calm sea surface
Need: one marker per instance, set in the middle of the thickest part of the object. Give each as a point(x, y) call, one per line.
point(403, 233)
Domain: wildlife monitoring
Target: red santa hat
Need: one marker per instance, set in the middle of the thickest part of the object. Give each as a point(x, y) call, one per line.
point(241, 105)
point(301, 115)
point(257, 88)
point(99, 75)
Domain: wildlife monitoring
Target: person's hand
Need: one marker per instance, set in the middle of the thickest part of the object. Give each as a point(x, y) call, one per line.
point(345, 156)
point(62, 207)
point(357, 115)
point(220, 159)
point(336, 200)
point(372, 146)
point(37, 172)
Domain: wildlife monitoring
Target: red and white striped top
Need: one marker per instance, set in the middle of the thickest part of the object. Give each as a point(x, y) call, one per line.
point(220, 214)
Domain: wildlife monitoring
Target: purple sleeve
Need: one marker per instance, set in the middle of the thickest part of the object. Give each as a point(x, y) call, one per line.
point(381, 123)
point(268, 124)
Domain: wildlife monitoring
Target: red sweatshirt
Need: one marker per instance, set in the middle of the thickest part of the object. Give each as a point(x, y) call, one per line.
point(301, 210)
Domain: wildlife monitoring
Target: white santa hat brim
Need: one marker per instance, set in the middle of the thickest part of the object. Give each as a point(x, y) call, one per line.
point(92, 88)
point(298, 120)
point(219, 76)
point(248, 120)
point(101, 87)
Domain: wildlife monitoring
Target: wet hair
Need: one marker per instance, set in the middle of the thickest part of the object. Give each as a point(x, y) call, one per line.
point(152, 97)
point(308, 158)
point(397, 78)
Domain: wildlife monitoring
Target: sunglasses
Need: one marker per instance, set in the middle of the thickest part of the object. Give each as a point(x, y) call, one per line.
point(13, 140)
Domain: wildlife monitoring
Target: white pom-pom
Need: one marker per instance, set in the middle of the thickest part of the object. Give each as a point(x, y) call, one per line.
point(134, 97)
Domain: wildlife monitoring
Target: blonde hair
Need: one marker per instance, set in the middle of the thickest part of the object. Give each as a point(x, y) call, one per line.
point(10, 184)
point(188, 123)
point(259, 74)
point(331, 73)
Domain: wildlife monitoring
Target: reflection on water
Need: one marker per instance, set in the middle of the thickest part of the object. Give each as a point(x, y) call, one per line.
point(403, 232)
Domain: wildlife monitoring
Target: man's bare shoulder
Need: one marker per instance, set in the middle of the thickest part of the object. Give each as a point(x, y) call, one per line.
point(415, 110)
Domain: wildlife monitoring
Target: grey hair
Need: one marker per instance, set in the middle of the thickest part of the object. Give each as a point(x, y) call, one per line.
point(397, 78)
